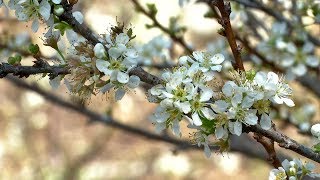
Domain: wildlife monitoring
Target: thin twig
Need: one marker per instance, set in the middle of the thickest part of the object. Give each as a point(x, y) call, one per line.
point(174, 37)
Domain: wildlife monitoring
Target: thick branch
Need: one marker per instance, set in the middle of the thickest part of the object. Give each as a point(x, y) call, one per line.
point(82, 29)
point(285, 142)
point(26, 71)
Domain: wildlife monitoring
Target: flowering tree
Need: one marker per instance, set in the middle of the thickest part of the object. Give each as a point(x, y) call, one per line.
point(212, 90)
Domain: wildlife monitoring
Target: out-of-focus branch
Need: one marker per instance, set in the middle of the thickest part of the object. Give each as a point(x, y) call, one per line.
point(174, 37)
point(278, 16)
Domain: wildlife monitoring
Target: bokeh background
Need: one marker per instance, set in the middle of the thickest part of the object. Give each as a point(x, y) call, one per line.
point(39, 140)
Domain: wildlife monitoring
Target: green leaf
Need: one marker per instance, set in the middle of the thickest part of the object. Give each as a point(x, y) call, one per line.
point(208, 125)
point(34, 48)
point(152, 9)
point(149, 26)
point(11, 60)
point(62, 27)
point(316, 148)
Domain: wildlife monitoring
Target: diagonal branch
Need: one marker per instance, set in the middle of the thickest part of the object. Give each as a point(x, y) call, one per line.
point(174, 37)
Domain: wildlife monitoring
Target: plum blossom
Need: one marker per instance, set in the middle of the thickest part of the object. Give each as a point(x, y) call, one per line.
point(116, 64)
point(31, 10)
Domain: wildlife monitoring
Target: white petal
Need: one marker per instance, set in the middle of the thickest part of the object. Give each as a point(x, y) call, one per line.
point(220, 106)
point(247, 102)
point(206, 94)
point(315, 130)
point(291, 48)
point(237, 128)
point(220, 132)
point(99, 51)
point(217, 58)
point(198, 56)
point(208, 113)
point(122, 77)
point(196, 119)
point(260, 78)
point(78, 16)
point(133, 82)
point(216, 68)
point(35, 25)
point(299, 69)
point(56, 1)
point(312, 61)
point(207, 150)
point(119, 94)
point(176, 128)
point(265, 121)
point(228, 88)
point(272, 78)
point(55, 83)
point(288, 102)
point(251, 119)
point(122, 38)
point(183, 60)
point(116, 52)
point(106, 87)
point(236, 99)
point(45, 9)
point(277, 99)
point(102, 66)
point(71, 36)
point(183, 106)
point(160, 127)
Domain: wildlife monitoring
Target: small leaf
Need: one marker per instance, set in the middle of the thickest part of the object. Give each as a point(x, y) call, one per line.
point(317, 148)
point(152, 9)
point(11, 60)
point(34, 48)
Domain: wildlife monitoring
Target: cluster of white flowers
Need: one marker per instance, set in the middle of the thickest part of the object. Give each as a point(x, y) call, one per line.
point(293, 170)
point(44, 10)
point(155, 51)
point(247, 98)
point(185, 93)
point(116, 64)
point(294, 59)
point(33, 10)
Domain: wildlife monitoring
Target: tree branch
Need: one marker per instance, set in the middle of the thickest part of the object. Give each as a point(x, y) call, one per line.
point(174, 37)
point(225, 10)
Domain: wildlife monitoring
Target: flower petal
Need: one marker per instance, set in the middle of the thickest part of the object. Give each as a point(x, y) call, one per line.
point(133, 82)
point(122, 77)
point(265, 121)
point(196, 119)
point(119, 94)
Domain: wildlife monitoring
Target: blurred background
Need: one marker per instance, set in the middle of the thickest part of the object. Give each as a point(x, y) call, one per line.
point(39, 140)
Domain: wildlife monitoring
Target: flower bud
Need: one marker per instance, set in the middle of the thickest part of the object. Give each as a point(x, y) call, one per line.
point(315, 130)
point(58, 10)
point(99, 51)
